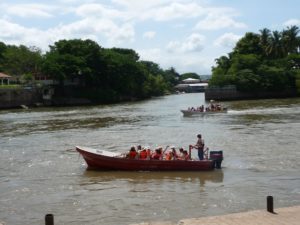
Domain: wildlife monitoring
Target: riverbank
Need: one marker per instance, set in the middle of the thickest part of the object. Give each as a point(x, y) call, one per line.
point(16, 97)
point(288, 215)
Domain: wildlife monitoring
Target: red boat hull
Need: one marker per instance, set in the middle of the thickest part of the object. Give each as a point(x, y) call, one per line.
point(101, 162)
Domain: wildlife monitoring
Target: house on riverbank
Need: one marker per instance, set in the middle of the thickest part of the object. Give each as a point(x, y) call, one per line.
point(4, 79)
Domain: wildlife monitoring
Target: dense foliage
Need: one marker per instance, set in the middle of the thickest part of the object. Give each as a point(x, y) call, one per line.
point(268, 61)
point(103, 75)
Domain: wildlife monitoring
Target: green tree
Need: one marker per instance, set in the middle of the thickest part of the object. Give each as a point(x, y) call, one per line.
point(124, 74)
point(249, 44)
point(128, 52)
point(152, 67)
point(2, 50)
point(189, 75)
point(19, 60)
point(223, 63)
point(27, 78)
point(243, 61)
point(171, 77)
point(273, 78)
point(247, 80)
point(70, 59)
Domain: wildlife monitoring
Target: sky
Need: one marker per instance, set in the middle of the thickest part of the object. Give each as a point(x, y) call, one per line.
point(187, 35)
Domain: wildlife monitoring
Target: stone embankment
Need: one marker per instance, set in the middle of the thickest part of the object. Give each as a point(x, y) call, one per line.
point(15, 98)
point(231, 93)
point(286, 216)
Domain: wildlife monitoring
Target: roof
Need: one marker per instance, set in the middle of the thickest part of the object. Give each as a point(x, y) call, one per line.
point(190, 79)
point(3, 75)
point(199, 85)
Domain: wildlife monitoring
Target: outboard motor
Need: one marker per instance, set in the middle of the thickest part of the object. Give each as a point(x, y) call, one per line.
point(217, 157)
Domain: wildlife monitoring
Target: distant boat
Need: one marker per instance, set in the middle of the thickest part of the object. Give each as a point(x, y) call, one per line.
point(212, 108)
point(105, 160)
point(190, 112)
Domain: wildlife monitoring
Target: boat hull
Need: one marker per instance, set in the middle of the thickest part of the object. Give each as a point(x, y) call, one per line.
point(98, 161)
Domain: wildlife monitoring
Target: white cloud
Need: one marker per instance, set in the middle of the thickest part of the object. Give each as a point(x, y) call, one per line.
point(98, 11)
point(227, 40)
point(174, 11)
point(219, 18)
point(193, 43)
point(30, 10)
point(113, 33)
point(12, 33)
point(191, 62)
point(149, 34)
point(15, 34)
point(292, 22)
point(138, 5)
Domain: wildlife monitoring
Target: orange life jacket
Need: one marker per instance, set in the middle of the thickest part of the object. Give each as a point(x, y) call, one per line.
point(169, 156)
point(132, 154)
point(143, 154)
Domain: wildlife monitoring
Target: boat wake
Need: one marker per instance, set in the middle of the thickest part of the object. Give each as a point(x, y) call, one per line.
point(278, 110)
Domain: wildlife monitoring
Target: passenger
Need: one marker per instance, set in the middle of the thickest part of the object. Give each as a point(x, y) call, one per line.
point(149, 152)
point(169, 155)
point(185, 155)
point(143, 154)
point(132, 153)
point(175, 155)
point(161, 152)
point(157, 154)
point(202, 108)
point(180, 156)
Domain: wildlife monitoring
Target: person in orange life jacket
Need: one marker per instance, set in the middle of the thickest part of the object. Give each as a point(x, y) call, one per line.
point(132, 153)
point(169, 155)
point(143, 154)
point(200, 146)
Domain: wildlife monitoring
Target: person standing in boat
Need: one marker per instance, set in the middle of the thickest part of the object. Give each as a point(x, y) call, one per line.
point(200, 146)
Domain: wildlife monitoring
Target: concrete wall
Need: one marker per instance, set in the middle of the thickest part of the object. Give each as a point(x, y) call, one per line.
point(14, 98)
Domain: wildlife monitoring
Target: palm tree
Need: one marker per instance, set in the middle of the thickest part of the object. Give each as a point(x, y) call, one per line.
point(264, 39)
point(223, 62)
point(290, 39)
point(275, 47)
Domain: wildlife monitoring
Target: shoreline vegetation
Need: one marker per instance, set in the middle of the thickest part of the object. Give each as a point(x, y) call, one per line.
point(268, 61)
point(265, 62)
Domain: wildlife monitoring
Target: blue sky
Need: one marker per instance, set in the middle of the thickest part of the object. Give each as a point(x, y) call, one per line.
point(185, 34)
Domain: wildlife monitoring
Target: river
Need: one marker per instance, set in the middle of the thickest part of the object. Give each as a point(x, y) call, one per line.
point(41, 173)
